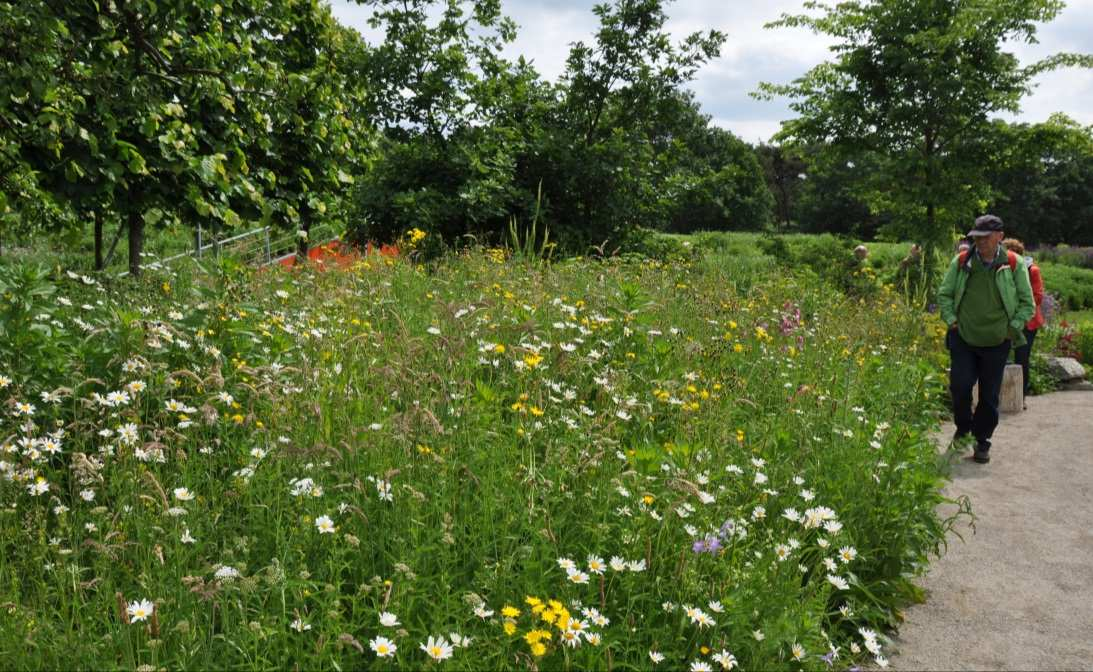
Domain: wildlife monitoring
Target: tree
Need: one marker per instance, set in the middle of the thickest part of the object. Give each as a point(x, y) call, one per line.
point(35, 107)
point(829, 199)
point(146, 110)
point(435, 90)
point(784, 171)
point(914, 82)
point(471, 140)
point(706, 178)
point(622, 97)
point(311, 148)
point(1042, 180)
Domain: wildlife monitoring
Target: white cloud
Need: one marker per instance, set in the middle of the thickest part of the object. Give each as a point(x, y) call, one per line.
point(749, 130)
point(753, 54)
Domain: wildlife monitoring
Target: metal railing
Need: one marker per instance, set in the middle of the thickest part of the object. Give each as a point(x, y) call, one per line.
point(257, 246)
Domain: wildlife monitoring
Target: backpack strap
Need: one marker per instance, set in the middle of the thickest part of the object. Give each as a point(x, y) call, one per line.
point(1011, 258)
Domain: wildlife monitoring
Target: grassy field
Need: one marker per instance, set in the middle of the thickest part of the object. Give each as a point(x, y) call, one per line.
point(1071, 285)
point(1077, 316)
point(482, 463)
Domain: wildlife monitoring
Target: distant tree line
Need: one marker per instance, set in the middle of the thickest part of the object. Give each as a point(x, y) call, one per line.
point(124, 115)
point(1038, 179)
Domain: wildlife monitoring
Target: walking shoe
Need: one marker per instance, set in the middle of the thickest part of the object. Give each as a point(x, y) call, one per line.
point(960, 435)
point(982, 453)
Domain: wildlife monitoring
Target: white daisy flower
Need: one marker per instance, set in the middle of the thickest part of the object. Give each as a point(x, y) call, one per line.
point(383, 647)
point(140, 610)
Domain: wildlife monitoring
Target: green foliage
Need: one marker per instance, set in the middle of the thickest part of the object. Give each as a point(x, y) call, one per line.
point(31, 340)
point(438, 89)
point(463, 433)
point(652, 244)
point(719, 187)
point(829, 257)
point(529, 244)
point(1072, 286)
point(1083, 342)
point(829, 199)
point(783, 171)
point(1080, 257)
point(912, 85)
point(1042, 176)
point(151, 113)
point(616, 145)
point(1040, 379)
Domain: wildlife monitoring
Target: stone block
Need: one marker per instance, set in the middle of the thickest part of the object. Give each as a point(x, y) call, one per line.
point(1077, 386)
point(1065, 368)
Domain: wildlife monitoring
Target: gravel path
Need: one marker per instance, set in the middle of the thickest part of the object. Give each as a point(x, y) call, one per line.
point(1017, 594)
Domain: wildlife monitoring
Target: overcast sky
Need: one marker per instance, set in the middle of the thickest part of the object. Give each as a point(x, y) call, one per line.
point(752, 54)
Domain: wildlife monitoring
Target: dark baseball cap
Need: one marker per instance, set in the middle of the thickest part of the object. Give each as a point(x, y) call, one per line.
point(986, 225)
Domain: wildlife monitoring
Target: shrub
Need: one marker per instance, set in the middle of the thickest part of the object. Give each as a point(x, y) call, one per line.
point(1079, 257)
point(1071, 285)
point(655, 245)
point(1083, 342)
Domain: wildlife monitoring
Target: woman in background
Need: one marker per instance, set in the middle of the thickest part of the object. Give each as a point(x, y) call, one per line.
point(1022, 354)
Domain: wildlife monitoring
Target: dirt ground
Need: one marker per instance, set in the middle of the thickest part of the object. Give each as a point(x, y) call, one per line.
point(1017, 593)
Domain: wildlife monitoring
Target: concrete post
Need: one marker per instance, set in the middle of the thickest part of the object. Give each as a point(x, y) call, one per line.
point(1011, 399)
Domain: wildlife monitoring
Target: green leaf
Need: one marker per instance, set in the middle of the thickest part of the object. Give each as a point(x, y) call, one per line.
point(230, 217)
point(153, 216)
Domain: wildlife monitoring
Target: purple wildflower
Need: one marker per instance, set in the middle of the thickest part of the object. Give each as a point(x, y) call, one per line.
point(728, 528)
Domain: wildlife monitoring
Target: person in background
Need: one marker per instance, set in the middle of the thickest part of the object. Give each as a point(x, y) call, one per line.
point(861, 252)
point(985, 299)
point(1022, 354)
point(910, 274)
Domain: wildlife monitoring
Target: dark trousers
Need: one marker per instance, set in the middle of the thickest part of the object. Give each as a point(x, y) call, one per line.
point(971, 364)
point(1021, 355)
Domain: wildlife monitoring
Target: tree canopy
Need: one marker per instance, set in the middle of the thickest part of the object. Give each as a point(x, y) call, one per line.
point(127, 116)
point(913, 83)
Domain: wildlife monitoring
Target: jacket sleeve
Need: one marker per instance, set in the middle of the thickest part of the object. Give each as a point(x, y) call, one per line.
point(1026, 305)
point(946, 295)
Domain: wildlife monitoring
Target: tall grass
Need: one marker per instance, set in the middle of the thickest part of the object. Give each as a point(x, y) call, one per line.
point(584, 465)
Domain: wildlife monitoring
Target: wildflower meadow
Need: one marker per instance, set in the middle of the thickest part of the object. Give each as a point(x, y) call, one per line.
point(479, 463)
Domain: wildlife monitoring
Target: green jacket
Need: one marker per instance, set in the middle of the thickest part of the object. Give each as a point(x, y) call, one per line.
point(1013, 286)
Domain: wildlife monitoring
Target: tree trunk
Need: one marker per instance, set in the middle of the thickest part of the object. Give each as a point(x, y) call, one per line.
point(929, 148)
point(303, 244)
point(98, 240)
point(783, 203)
point(136, 241)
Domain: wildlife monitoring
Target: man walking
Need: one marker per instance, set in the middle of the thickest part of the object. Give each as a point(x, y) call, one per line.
point(985, 299)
